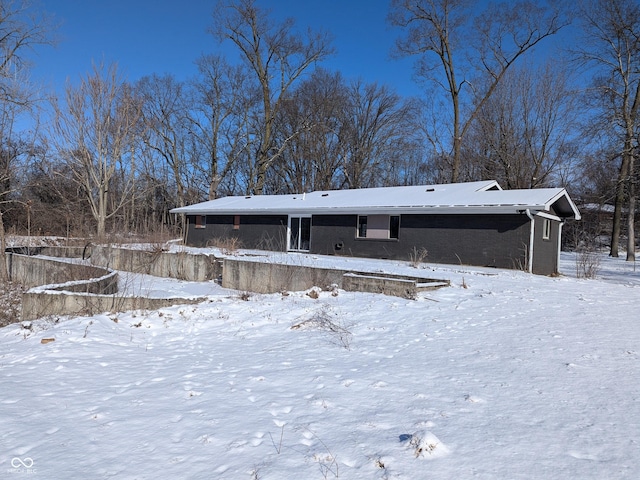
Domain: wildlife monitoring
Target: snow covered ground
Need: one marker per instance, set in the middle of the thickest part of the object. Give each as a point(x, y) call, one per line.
point(503, 375)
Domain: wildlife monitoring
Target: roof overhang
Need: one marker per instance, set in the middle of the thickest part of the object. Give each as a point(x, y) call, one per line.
point(400, 210)
point(474, 198)
point(564, 206)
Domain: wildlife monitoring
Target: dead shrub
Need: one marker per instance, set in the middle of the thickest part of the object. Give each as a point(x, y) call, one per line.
point(227, 245)
point(417, 256)
point(322, 320)
point(10, 303)
point(587, 263)
point(313, 293)
point(158, 248)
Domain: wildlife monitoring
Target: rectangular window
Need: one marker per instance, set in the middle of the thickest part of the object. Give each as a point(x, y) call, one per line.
point(546, 229)
point(378, 226)
point(394, 226)
point(362, 226)
point(236, 222)
point(294, 235)
point(200, 221)
point(305, 233)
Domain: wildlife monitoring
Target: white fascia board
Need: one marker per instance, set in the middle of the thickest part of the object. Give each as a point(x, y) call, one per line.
point(413, 210)
point(549, 216)
point(563, 193)
point(491, 184)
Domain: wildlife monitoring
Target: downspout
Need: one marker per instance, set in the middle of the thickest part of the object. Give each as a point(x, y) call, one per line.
point(531, 238)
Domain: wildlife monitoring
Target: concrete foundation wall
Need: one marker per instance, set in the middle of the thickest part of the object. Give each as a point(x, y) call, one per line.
point(80, 289)
point(262, 277)
point(389, 286)
point(49, 251)
point(43, 303)
point(62, 288)
point(180, 265)
point(34, 271)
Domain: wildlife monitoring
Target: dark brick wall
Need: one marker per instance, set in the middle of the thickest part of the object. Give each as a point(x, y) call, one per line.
point(483, 240)
point(261, 232)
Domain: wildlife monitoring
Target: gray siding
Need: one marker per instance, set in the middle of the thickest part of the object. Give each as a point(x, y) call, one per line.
point(261, 232)
point(545, 252)
point(484, 240)
point(500, 241)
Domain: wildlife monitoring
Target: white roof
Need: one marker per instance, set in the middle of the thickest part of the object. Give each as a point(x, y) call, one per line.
point(454, 198)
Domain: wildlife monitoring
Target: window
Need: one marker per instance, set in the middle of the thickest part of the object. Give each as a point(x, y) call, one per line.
point(378, 226)
point(236, 222)
point(362, 226)
point(546, 229)
point(394, 226)
point(200, 221)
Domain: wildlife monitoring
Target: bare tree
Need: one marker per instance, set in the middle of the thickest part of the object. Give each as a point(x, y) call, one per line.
point(164, 114)
point(611, 45)
point(277, 55)
point(525, 132)
point(377, 124)
point(222, 94)
point(94, 131)
point(21, 28)
point(313, 118)
point(466, 53)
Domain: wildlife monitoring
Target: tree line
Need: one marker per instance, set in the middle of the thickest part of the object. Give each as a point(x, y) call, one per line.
point(111, 155)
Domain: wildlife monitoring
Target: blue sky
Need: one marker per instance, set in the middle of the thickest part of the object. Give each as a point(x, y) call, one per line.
point(166, 36)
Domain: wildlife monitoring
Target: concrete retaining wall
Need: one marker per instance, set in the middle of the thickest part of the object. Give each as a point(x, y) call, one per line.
point(49, 251)
point(398, 287)
point(34, 271)
point(63, 288)
point(243, 274)
point(37, 304)
point(180, 265)
point(263, 277)
point(80, 289)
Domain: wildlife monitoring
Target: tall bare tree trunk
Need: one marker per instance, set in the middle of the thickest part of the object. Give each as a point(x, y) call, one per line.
point(617, 212)
point(4, 273)
point(631, 234)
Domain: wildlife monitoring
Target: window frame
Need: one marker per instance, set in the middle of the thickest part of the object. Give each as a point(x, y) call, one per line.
point(300, 237)
point(546, 229)
point(361, 227)
point(392, 227)
point(200, 221)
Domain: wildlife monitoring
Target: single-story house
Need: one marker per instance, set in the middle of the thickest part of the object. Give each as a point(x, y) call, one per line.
point(473, 223)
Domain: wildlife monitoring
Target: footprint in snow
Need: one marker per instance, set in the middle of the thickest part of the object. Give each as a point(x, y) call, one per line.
point(474, 399)
point(257, 439)
point(582, 456)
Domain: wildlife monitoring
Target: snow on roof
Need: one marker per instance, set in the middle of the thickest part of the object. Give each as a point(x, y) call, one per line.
point(469, 197)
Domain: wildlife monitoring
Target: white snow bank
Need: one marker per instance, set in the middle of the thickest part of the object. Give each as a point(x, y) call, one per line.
point(502, 375)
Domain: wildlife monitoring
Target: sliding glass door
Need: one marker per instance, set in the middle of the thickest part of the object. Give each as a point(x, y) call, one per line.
point(299, 234)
